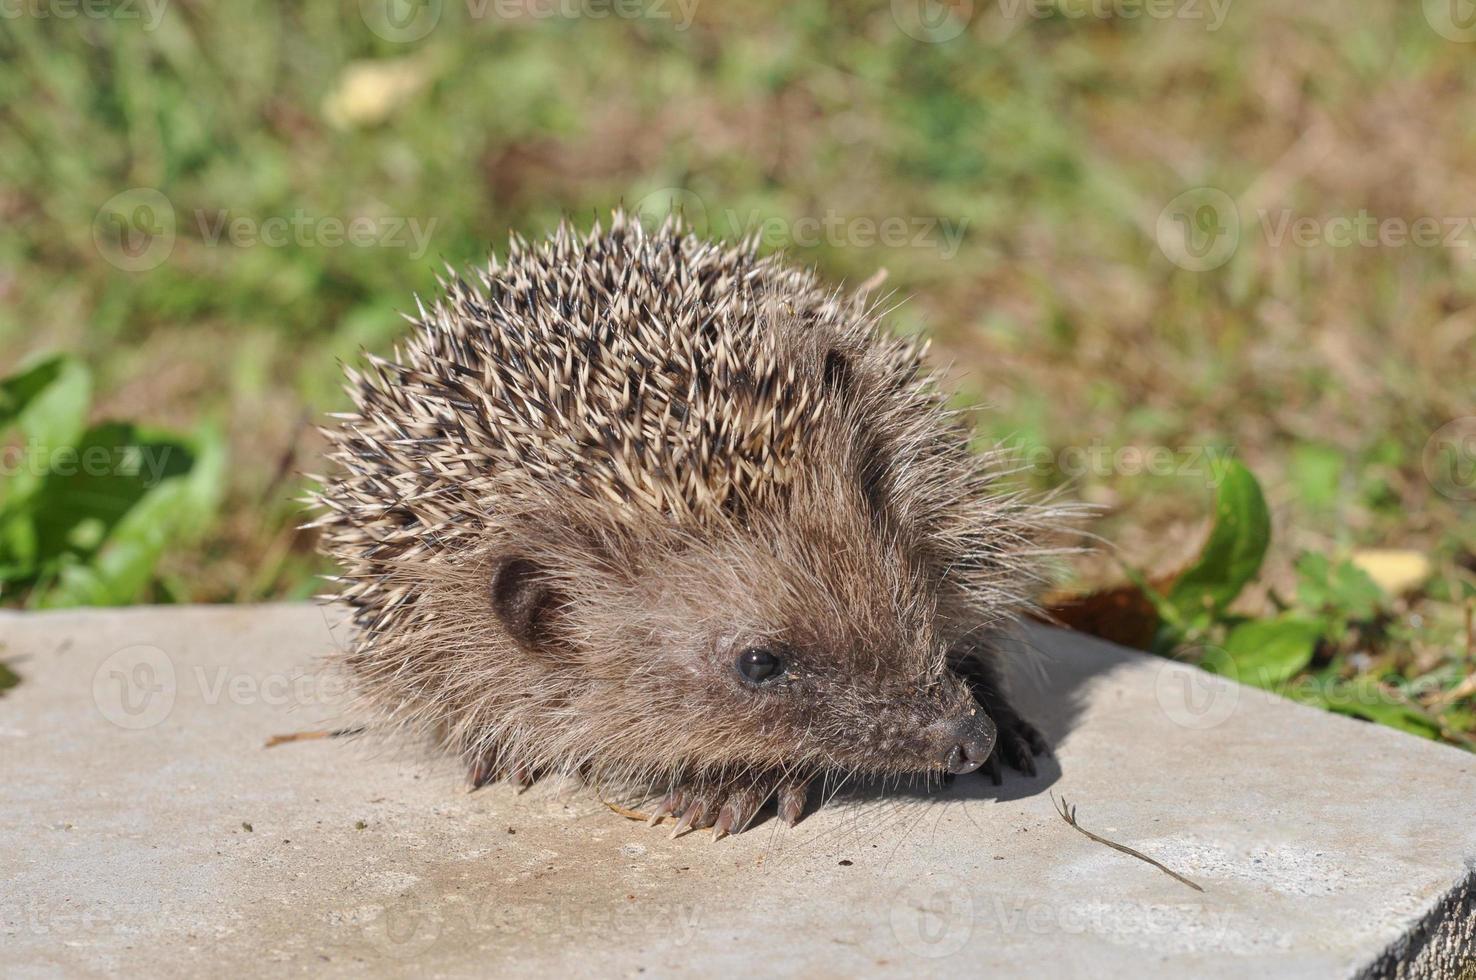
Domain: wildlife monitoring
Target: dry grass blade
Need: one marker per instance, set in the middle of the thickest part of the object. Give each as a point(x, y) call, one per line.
point(1068, 814)
point(626, 812)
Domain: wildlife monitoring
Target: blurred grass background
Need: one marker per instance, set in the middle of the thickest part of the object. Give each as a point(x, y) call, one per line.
point(1053, 140)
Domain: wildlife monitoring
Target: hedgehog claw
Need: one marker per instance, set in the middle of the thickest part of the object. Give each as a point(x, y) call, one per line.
point(669, 806)
point(480, 774)
point(792, 801)
point(726, 822)
point(729, 806)
point(694, 819)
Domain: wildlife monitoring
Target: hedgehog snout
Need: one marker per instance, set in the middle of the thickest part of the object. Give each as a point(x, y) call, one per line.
point(963, 743)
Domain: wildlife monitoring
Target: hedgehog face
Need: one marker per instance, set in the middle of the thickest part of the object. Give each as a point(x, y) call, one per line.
point(819, 653)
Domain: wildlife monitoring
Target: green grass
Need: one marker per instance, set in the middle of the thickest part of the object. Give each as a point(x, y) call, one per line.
point(1054, 144)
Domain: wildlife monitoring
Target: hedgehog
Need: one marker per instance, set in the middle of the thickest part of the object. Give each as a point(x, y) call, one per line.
point(665, 514)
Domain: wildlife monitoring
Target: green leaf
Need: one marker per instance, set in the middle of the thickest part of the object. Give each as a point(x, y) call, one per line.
point(1269, 652)
point(1364, 698)
point(1343, 590)
point(102, 532)
point(49, 398)
point(1316, 472)
point(1232, 556)
point(48, 402)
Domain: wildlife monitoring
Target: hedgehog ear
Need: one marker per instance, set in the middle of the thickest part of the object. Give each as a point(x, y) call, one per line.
point(527, 603)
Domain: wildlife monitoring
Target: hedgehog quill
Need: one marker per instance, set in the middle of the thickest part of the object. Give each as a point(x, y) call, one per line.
point(668, 515)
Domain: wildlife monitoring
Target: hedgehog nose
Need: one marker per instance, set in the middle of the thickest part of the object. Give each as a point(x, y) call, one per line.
point(967, 742)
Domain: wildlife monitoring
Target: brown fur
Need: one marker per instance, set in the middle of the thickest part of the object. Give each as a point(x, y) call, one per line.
point(590, 483)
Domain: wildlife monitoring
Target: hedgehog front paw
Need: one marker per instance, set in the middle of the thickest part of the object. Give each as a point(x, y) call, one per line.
point(1017, 742)
point(728, 805)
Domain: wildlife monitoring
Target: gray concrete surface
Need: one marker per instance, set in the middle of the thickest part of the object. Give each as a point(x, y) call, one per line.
point(148, 831)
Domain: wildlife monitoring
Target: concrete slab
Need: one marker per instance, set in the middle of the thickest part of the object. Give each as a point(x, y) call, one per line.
point(148, 831)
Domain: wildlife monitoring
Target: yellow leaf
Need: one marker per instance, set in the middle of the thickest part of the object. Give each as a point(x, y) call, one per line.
point(1396, 571)
point(368, 91)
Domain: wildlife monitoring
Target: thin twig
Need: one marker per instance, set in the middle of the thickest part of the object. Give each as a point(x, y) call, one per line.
point(309, 736)
point(1068, 814)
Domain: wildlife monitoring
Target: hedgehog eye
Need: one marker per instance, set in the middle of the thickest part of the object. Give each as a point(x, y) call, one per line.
point(760, 664)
